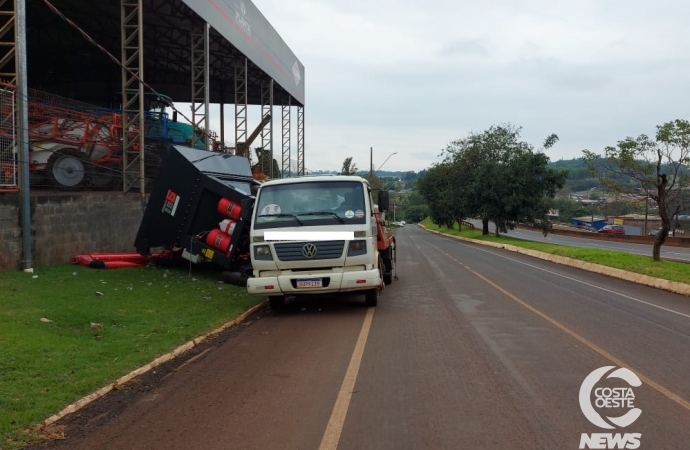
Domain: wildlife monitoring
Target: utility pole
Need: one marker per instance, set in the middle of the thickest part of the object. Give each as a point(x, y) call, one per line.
point(646, 213)
point(371, 164)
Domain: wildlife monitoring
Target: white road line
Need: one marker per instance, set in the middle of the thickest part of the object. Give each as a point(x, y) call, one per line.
point(331, 436)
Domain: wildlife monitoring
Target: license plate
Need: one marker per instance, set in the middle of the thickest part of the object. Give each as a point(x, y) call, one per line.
point(309, 283)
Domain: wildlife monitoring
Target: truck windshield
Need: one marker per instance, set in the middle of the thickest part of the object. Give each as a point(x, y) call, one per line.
point(310, 204)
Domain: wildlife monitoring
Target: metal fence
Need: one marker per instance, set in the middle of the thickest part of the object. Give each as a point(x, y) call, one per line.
point(8, 155)
point(75, 145)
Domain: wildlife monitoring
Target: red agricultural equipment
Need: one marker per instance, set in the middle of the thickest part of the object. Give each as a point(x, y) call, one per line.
point(72, 147)
point(74, 144)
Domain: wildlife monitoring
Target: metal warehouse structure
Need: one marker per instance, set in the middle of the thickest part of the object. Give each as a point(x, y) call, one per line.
point(196, 51)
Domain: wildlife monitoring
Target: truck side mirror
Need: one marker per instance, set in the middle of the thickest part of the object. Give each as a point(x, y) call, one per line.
point(384, 201)
point(174, 118)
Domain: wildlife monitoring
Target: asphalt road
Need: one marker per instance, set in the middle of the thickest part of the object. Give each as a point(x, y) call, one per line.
point(667, 252)
point(472, 348)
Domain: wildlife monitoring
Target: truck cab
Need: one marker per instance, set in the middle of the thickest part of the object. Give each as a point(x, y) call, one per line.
point(317, 235)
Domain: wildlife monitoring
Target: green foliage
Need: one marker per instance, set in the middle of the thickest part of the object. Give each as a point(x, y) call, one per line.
point(415, 213)
point(656, 169)
point(440, 187)
point(492, 175)
point(348, 167)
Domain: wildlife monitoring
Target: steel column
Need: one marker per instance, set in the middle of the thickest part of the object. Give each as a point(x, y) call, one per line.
point(267, 131)
point(132, 46)
point(286, 139)
point(241, 88)
point(300, 141)
point(200, 83)
point(23, 122)
point(8, 43)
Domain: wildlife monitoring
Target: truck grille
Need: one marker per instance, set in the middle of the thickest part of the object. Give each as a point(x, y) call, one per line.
point(292, 251)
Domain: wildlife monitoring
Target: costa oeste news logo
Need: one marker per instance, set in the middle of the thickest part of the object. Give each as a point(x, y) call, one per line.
point(620, 398)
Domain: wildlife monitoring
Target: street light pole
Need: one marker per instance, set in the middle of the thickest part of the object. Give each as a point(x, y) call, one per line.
point(386, 160)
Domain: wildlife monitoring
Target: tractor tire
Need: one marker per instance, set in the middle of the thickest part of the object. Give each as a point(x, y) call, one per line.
point(66, 169)
point(106, 177)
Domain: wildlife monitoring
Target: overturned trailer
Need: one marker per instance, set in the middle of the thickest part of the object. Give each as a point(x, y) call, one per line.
point(200, 208)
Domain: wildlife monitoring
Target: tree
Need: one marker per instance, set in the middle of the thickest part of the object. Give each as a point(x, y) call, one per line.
point(655, 169)
point(348, 167)
point(440, 188)
point(416, 213)
point(501, 179)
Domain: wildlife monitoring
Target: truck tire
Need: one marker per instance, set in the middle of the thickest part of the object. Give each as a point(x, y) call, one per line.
point(371, 297)
point(235, 278)
point(276, 302)
point(390, 265)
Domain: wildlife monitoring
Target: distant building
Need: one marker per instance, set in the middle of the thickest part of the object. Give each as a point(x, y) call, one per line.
point(589, 222)
point(637, 221)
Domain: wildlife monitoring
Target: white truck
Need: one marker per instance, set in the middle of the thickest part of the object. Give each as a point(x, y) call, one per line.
point(319, 235)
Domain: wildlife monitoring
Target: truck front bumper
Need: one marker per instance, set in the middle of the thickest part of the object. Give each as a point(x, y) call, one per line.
point(331, 282)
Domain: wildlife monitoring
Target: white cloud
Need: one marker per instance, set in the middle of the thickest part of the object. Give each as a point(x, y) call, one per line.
point(410, 76)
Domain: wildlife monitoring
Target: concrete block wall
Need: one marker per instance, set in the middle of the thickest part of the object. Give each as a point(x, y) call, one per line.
point(10, 233)
point(64, 225)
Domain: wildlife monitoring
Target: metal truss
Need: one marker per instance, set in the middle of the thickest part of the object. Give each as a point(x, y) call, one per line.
point(286, 139)
point(300, 141)
point(132, 45)
point(241, 110)
point(267, 131)
point(200, 83)
point(8, 43)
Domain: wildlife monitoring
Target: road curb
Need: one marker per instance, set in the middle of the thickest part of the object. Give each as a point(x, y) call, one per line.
point(659, 283)
point(76, 406)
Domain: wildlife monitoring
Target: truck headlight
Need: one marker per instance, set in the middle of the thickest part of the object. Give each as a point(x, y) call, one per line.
point(263, 253)
point(357, 248)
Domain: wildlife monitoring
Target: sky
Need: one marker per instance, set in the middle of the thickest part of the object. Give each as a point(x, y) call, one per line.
point(410, 76)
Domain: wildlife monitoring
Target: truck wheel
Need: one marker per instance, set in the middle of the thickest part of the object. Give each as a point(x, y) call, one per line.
point(66, 169)
point(235, 278)
point(276, 302)
point(371, 297)
point(388, 267)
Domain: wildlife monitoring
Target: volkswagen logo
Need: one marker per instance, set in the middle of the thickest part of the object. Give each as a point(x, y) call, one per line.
point(309, 250)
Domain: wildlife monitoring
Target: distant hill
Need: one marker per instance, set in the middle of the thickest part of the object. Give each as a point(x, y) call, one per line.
point(401, 175)
point(579, 178)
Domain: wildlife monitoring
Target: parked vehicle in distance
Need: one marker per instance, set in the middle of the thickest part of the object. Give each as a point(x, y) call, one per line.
point(612, 229)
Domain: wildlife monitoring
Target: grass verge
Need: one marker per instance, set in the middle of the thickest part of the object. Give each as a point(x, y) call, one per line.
point(67, 330)
point(667, 270)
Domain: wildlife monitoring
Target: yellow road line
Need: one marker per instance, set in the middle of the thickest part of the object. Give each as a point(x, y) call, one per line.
point(331, 436)
point(654, 385)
